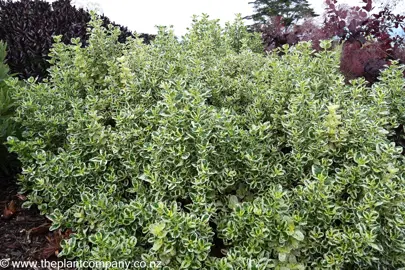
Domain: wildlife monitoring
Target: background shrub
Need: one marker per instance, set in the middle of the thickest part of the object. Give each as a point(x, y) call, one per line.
point(369, 44)
point(6, 104)
point(205, 154)
point(27, 26)
point(8, 127)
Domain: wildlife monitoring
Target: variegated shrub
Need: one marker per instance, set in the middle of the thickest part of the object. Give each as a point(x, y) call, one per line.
point(205, 153)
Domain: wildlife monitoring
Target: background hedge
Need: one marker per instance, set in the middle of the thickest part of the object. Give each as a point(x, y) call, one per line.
point(27, 26)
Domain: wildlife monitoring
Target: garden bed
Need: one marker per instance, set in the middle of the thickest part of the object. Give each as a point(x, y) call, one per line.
point(23, 234)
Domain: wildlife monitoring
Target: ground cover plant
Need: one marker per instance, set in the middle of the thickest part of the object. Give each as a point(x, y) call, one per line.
point(28, 27)
point(206, 154)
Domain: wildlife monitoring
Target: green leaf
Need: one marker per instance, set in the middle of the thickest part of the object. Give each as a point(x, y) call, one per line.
point(157, 245)
point(298, 235)
point(282, 257)
point(376, 247)
point(157, 228)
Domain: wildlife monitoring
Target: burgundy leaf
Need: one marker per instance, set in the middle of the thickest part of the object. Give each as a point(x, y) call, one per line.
point(368, 6)
point(343, 14)
point(352, 26)
point(363, 14)
point(384, 36)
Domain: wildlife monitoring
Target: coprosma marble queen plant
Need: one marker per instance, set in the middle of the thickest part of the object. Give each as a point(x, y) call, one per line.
point(173, 151)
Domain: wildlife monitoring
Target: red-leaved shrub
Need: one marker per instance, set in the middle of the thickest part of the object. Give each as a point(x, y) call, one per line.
point(368, 45)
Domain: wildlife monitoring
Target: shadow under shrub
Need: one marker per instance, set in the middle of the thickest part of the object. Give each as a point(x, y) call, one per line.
point(158, 152)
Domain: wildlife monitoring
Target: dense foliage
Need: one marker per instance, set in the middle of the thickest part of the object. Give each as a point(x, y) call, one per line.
point(27, 26)
point(8, 127)
point(205, 154)
point(369, 44)
point(6, 103)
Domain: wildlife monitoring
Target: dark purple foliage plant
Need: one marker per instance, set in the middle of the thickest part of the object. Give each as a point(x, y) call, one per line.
point(28, 27)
